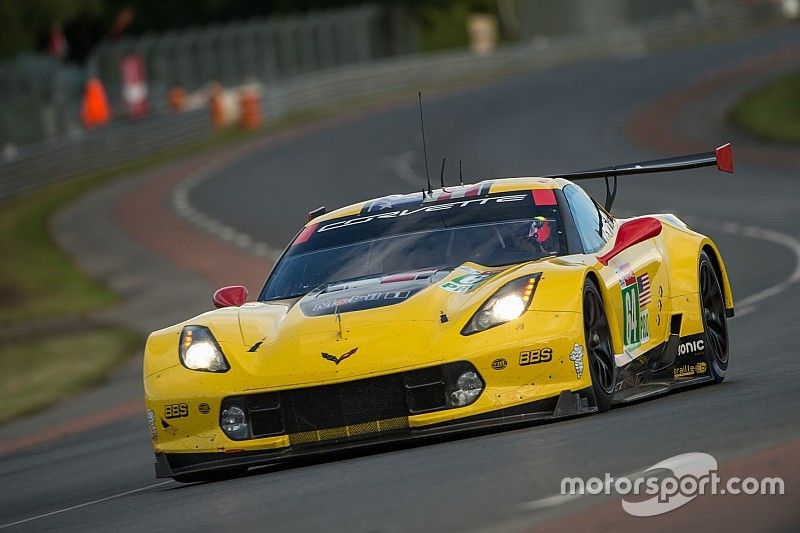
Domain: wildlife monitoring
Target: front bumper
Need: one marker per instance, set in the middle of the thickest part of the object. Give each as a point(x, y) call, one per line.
point(522, 378)
point(567, 404)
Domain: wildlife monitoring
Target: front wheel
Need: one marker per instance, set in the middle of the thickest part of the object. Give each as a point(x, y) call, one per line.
point(602, 366)
point(712, 309)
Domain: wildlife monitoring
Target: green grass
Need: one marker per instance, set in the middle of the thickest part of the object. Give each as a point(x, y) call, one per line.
point(37, 372)
point(39, 281)
point(772, 112)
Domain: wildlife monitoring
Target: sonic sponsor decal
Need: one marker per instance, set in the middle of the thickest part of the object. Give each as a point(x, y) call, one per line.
point(691, 352)
point(499, 364)
point(576, 356)
point(692, 347)
point(532, 357)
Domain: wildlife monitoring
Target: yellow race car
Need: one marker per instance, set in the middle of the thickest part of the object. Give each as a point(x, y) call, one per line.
point(508, 301)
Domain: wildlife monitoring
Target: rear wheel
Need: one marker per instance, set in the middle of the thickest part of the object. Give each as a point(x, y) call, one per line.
point(602, 367)
point(712, 309)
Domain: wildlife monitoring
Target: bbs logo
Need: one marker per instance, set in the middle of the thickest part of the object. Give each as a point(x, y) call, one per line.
point(532, 357)
point(176, 410)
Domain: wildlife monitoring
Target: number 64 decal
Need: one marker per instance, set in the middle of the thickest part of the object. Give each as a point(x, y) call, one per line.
point(631, 332)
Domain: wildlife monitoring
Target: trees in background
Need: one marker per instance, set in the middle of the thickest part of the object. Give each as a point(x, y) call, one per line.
point(29, 25)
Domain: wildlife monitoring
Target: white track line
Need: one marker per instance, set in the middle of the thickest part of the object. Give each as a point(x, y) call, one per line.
point(401, 164)
point(778, 238)
point(183, 207)
point(86, 504)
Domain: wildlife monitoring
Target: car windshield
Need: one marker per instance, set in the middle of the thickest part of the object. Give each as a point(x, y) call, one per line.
point(492, 231)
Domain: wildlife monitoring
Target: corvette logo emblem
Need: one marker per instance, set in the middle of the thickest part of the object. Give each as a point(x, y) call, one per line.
point(337, 360)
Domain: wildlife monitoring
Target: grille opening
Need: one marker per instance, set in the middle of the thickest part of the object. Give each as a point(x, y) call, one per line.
point(352, 410)
point(266, 423)
point(425, 390)
point(265, 414)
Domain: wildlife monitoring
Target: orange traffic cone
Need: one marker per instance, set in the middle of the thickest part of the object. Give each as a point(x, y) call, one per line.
point(250, 109)
point(218, 118)
point(94, 109)
point(177, 99)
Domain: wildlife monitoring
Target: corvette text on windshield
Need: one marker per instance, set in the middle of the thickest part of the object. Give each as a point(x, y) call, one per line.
point(427, 209)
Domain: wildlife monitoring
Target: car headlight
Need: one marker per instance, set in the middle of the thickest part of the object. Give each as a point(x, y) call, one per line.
point(199, 350)
point(508, 303)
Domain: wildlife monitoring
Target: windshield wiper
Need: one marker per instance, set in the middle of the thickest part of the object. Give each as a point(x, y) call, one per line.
point(289, 297)
point(325, 286)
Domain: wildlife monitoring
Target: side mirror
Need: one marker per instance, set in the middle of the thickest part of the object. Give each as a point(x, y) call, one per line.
point(630, 233)
point(230, 296)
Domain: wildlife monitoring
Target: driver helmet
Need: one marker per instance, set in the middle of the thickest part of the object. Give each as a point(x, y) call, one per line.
point(534, 236)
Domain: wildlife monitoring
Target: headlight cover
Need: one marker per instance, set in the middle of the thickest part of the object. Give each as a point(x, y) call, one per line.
point(233, 421)
point(465, 389)
point(508, 303)
point(199, 350)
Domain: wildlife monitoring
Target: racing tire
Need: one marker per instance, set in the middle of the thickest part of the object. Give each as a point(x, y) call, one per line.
point(600, 352)
point(216, 475)
point(715, 327)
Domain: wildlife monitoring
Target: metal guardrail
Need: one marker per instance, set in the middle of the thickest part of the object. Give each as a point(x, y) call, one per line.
point(267, 50)
point(40, 96)
point(421, 72)
point(68, 156)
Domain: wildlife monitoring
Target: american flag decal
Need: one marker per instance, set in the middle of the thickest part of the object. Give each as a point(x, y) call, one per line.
point(453, 193)
point(401, 201)
point(644, 289)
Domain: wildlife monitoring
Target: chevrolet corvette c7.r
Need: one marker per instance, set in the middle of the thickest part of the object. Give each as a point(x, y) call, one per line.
point(510, 300)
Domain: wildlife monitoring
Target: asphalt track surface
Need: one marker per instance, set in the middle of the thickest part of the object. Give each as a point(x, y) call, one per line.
point(563, 119)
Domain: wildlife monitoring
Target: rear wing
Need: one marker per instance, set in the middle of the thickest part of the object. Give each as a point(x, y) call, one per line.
point(722, 157)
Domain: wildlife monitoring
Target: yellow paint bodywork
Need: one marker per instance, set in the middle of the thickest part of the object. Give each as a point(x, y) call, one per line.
point(410, 335)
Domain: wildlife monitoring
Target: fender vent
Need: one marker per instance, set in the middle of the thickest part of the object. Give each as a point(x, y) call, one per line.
point(675, 324)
